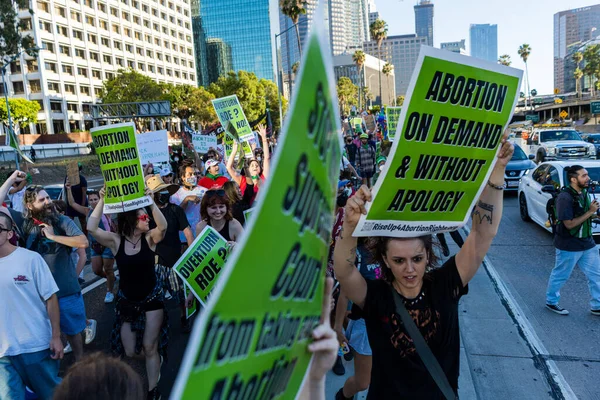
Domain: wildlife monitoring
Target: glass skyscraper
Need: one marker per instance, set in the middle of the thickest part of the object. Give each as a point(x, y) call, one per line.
point(240, 32)
point(484, 42)
point(424, 20)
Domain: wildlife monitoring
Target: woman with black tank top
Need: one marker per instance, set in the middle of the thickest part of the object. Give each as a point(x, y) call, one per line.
point(215, 211)
point(140, 320)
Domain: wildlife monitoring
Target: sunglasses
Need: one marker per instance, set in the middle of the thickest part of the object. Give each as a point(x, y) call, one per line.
point(143, 217)
point(212, 193)
point(5, 230)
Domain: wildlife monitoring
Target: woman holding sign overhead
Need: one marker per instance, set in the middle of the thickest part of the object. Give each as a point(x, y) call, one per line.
point(255, 174)
point(140, 319)
point(411, 313)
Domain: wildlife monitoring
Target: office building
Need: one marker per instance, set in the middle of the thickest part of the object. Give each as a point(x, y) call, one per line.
point(459, 47)
point(424, 20)
point(484, 41)
point(372, 10)
point(373, 16)
point(402, 52)
point(221, 61)
point(348, 24)
point(246, 27)
point(343, 65)
point(86, 42)
point(573, 29)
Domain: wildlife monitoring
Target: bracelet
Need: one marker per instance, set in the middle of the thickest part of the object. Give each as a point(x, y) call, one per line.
point(502, 187)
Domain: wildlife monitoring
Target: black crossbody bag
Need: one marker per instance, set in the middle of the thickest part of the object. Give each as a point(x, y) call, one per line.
point(431, 363)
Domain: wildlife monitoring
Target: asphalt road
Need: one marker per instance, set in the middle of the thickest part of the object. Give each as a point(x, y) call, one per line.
point(523, 255)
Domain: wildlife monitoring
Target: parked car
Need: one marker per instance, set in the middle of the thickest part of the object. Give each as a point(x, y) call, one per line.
point(560, 144)
point(594, 138)
point(518, 166)
point(534, 193)
point(54, 191)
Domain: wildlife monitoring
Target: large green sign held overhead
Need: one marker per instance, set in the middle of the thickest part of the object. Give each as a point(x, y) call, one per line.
point(449, 133)
point(251, 341)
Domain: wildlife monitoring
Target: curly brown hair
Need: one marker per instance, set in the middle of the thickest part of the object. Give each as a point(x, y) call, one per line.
point(213, 197)
point(378, 247)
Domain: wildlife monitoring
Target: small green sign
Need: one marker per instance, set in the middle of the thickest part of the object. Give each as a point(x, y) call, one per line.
point(392, 114)
point(532, 117)
point(595, 107)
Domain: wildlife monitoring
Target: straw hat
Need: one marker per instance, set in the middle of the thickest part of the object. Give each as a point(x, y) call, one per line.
point(156, 184)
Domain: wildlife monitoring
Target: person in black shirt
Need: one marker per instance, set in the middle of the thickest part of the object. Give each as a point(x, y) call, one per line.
point(429, 294)
point(80, 197)
point(169, 249)
point(351, 150)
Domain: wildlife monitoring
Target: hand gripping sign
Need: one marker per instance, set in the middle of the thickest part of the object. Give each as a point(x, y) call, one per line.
point(449, 133)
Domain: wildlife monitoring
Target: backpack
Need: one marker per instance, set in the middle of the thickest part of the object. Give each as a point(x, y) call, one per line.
point(552, 221)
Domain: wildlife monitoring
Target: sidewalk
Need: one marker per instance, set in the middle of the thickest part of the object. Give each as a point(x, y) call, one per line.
point(495, 361)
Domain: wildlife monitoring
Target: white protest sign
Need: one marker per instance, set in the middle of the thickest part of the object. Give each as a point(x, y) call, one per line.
point(202, 143)
point(153, 147)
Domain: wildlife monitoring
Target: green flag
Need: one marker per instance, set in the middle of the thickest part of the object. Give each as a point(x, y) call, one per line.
point(251, 341)
point(449, 133)
point(12, 141)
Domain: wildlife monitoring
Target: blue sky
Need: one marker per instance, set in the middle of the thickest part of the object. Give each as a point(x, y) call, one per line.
point(519, 21)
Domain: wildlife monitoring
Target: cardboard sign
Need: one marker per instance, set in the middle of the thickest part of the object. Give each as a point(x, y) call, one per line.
point(121, 167)
point(73, 173)
point(370, 123)
point(153, 147)
point(251, 340)
point(449, 134)
point(203, 143)
point(392, 114)
point(200, 266)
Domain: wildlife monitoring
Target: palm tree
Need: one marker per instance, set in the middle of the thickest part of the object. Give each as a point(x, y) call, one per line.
point(387, 71)
point(591, 56)
point(359, 59)
point(378, 30)
point(524, 52)
point(293, 9)
point(578, 74)
point(505, 60)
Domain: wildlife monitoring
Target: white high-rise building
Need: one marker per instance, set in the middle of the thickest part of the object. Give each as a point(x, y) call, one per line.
point(348, 24)
point(85, 42)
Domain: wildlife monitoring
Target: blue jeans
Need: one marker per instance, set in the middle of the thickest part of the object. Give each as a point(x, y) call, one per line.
point(36, 370)
point(588, 261)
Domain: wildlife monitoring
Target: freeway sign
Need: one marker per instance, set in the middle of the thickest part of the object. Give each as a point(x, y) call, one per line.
point(532, 117)
point(563, 114)
point(595, 107)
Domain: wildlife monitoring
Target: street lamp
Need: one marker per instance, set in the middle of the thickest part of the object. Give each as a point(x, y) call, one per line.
point(5, 88)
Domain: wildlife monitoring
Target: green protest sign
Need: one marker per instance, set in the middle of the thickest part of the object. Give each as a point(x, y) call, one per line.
point(357, 124)
point(121, 167)
point(189, 312)
point(201, 265)
point(247, 214)
point(251, 341)
point(449, 134)
point(392, 114)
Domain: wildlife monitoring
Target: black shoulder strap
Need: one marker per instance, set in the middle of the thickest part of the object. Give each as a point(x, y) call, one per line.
point(431, 363)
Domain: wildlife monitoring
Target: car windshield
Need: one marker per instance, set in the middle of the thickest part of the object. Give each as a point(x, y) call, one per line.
point(519, 154)
point(594, 139)
point(594, 173)
point(553, 136)
point(54, 193)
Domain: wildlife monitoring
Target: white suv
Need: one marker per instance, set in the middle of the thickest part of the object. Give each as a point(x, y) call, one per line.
point(560, 144)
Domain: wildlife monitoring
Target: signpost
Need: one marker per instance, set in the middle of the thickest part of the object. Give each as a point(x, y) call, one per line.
point(563, 114)
point(595, 107)
point(532, 117)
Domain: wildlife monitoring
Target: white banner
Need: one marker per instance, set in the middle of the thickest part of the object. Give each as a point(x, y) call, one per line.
point(153, 147)
point(202, 143)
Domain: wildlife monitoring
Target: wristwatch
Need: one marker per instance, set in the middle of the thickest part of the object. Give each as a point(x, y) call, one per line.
point(501, 187)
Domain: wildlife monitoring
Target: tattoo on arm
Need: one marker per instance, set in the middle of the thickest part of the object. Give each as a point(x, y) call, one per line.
point(352, 259)
point(483, 211)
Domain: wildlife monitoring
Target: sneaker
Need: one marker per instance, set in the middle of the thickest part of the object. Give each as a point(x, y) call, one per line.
point(90, 331)
point(109, 298)
point(68, 348)
point(338, 367)
point(349, 356)
point(186, 327)
point(154, 394)
point(595, 312)
point(557, 309)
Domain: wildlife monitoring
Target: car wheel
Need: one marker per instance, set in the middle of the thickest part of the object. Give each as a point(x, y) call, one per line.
point(541, 157)
point(523, 208)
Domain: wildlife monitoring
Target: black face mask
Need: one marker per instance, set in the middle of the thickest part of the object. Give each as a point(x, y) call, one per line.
point(163, 198)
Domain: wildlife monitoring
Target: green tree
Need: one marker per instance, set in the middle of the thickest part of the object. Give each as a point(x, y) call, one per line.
point(524, 52)
point(181, 99)
point(578, 74)
point(130, 86)
point(359, 58)
point(591, 58)
point(387, 71)
point(366, 96)
point(378, 30)
point(293, 9)
point(22, 111)
point(12, 41)
point(347, 94)
point(202, 110)
point(505, 60)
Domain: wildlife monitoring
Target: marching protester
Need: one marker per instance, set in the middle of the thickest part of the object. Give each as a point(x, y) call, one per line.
point(573, 240)
point(237, 202)
point(103, 260)
point(213, 177)
point(411, 281)
point(216, 212)
point(30, 344)
point(365, 160)
point(53, 236)
point(350, 149)
point(255, 174)
point(213, 154)
point(15, 195)
point(168, 250)
point(188, 197)
point(167, 175)
point(78, 255)
point(140, 318)
point(80, 197)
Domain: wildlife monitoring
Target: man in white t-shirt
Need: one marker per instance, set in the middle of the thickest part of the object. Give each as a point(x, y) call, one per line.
point(189, 197)
point(30, 345)
point(15, 194)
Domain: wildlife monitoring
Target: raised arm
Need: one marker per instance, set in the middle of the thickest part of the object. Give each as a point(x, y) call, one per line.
point(107, 239)
point(15, 177)
point(265, 145)
point(234, 174)
point(18, 188)
point(71, 201)
point(344, 254)
point(486, 218)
